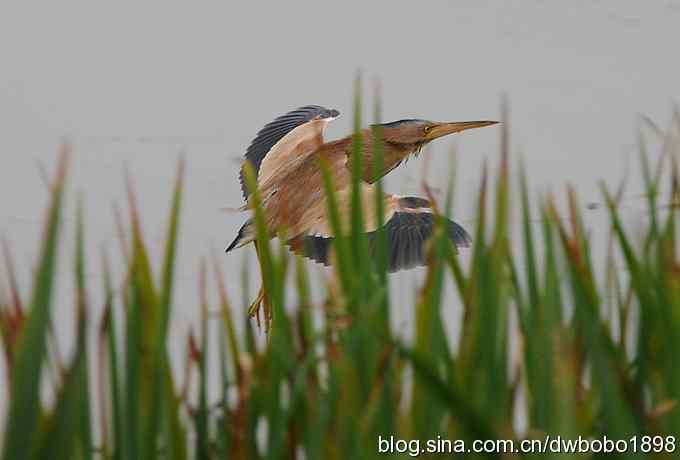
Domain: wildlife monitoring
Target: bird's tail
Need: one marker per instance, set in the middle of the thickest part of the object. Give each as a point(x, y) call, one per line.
point(246, 235)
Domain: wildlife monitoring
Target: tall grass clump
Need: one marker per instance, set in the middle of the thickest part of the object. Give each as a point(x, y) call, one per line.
point(597, 351)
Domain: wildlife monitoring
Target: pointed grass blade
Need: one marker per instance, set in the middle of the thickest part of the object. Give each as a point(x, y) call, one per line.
point(162, 395)
point(24, 406)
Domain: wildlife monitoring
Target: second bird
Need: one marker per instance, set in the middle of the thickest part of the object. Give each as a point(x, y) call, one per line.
point(286, 157)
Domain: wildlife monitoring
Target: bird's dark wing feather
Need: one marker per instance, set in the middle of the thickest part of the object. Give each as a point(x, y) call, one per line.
point(274, 131)
point(406, 233)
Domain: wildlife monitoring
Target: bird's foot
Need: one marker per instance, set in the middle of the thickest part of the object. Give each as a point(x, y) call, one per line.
point(262, 300)
point(254, 308)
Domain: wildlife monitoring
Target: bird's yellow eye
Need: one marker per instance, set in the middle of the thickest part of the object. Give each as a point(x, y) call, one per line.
point(427, 129)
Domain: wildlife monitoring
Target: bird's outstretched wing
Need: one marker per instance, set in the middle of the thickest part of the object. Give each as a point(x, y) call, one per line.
point(409, 224)
point(289, 134)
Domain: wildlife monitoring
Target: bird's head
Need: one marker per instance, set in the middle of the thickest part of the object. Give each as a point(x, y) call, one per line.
point(419, 132)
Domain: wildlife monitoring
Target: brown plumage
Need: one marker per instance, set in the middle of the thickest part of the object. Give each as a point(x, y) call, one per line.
point(286, 157)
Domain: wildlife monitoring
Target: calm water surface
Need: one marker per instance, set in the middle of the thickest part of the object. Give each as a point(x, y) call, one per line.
point(134, 86)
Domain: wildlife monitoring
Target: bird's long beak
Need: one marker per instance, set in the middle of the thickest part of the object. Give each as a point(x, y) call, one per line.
point(442, 129)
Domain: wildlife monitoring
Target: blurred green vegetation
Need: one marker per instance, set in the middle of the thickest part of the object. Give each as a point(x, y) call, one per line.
point(597, 355)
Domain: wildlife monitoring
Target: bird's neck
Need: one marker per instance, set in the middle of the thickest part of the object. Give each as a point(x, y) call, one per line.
point(393, 154)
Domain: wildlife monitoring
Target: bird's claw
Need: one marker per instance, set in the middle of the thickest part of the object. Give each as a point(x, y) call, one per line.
point(262, 300)
point(254, 308)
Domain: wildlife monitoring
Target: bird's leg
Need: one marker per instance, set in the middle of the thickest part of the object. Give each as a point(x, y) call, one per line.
point(262, 298)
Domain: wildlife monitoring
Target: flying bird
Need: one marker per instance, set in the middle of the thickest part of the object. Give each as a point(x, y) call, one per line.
point(285, 157)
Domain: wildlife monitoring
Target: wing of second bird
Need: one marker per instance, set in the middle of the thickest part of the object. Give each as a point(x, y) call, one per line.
point(409, 224)
point(300, 130)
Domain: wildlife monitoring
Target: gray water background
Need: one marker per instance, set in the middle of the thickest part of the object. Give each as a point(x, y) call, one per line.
point(136, 84)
